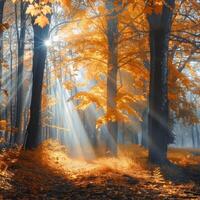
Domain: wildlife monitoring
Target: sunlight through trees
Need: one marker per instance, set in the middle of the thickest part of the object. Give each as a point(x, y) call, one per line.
point(99, 78)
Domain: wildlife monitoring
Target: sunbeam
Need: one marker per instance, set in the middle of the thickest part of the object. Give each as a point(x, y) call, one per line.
point(99, 99)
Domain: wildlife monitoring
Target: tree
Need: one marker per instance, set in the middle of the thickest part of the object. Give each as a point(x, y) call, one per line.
point(159, 33)
point(2, 2)
point(39, 57)
point(21, 46)
point(112, 69)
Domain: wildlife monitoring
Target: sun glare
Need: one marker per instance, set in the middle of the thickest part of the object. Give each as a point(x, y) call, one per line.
point(55, 38)
point(48, 42)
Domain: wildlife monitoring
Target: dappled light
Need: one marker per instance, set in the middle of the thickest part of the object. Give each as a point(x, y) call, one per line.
point(99, 99)
point(49, 169)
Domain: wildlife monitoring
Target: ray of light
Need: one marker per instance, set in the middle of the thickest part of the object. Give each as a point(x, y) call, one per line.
point(66, 116)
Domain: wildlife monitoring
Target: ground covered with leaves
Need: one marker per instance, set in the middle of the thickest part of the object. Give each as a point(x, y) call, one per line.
point(48, 173)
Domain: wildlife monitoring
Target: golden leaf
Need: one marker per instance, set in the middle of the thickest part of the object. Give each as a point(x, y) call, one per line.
point(33, 10)
point(42, 21)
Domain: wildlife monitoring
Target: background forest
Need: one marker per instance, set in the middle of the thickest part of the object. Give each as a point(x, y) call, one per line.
point(100, 77)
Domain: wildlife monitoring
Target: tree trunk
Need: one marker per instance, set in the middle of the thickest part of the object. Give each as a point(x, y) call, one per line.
point(193, 136)
point(112, 36)
point(158, 101)
point(2, 2)
point(123, 133)
point(9, 138)
point(39, 57)
point(158, 122)
point(21, 45)
point(144, 126)
point(198, 136)
point(182, 138)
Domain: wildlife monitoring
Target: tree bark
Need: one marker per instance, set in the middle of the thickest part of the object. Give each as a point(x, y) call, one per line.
point(112, 37)
point(144, 127)
point(198, 136)
point(2, 2)
point(158, 122)
point(193, 136)
point(39, 57)
point(21, 45)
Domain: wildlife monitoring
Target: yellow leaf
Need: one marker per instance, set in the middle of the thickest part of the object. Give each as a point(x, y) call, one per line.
point(46, 10)
point(33, 10)
point(42, 21)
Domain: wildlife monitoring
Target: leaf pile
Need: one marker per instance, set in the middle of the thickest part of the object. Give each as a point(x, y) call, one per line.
point(49, 173)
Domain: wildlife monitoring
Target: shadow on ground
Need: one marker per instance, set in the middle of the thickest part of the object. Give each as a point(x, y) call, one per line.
point(181, 174)
point(31, 177)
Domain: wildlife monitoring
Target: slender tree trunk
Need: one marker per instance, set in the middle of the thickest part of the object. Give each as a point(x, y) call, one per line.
point(123, 133)
point(21, 45)
point(2, 2)
point(112, 36)
point(144, 127)
point(158, 122)
point(198, 136)
point(39, 57)
point(182, 139)
point(193, 136)
point(133, 137)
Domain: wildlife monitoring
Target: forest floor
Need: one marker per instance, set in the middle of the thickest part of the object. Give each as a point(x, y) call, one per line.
point(48, 173)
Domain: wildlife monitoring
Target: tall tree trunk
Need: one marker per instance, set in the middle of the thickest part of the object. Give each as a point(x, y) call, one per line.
point(158, 122)
point(21, 45)
point(2, 2)
point(9, 138)
point(39, 58)
point(112, 36)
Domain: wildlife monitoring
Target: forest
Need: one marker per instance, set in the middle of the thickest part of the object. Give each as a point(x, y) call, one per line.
point(99, 99)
